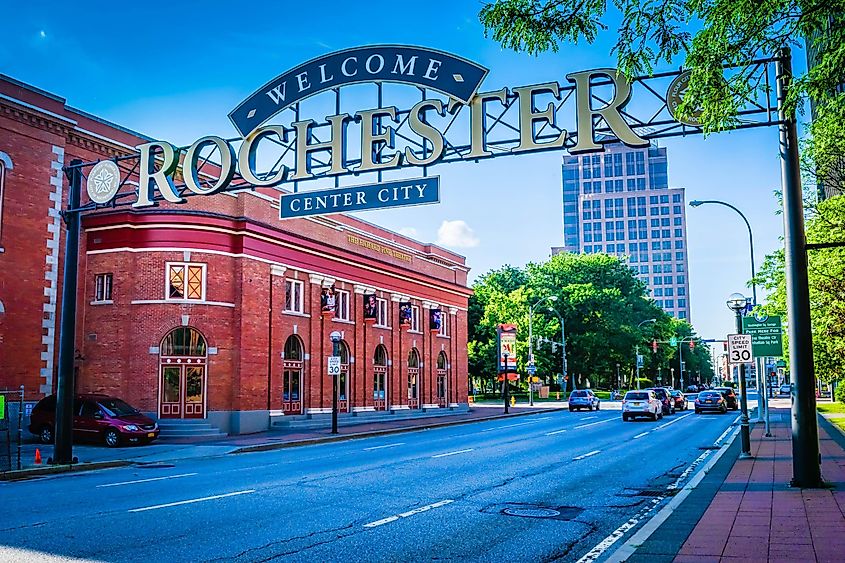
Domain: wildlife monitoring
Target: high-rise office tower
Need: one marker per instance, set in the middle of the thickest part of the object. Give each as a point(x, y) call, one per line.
point(619, 202)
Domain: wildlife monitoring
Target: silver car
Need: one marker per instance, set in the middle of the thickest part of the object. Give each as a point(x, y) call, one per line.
point(641, 404)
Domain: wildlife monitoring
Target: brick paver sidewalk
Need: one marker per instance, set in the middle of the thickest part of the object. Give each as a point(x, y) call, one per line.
point(756, 516)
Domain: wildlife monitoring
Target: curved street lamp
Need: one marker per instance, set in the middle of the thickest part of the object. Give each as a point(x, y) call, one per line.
point(736, 303)
point(563, 349)
point(531, 341)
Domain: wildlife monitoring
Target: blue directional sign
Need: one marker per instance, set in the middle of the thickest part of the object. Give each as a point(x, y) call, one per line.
point(400, 193)
point(532, 370)
point(417, 66)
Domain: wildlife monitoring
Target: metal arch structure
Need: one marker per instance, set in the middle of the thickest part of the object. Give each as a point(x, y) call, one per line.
point(502, 132)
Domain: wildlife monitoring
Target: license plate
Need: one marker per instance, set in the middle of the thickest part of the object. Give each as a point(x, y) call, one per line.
point(637, 404)
point(708, 400)
point(151, 434)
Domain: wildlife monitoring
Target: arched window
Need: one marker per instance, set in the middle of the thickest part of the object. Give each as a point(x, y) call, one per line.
point(380, 357)
point(413, 358)
point(441, 360)
point(293, 349)
point(183, 341)
point(441, 379)
point(2, 193)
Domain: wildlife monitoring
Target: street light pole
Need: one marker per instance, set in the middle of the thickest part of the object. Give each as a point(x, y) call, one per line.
point(531, 343)
point(696, 203)
point(736, 302)
point(505, 382)
point(562, 345)
point(335, 337)
point(637, 350)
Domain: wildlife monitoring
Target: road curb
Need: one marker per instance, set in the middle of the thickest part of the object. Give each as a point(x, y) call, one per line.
point(629, 548)
point(387, 431)
point(22, 474)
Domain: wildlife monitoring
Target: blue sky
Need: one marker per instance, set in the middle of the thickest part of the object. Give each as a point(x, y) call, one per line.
point(175, 70)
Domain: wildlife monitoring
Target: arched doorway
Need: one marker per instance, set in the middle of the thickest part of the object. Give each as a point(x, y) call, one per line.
point(343, 379)
point(182, 367)
point(413, 378)
point(292, 376)
point(441, 379)
point(380, 378)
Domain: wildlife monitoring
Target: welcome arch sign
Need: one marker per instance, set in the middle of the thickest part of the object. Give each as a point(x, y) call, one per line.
point(429, 109)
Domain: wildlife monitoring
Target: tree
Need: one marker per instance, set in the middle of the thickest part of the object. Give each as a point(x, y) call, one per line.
point(826, 272)
point(600, 300)
point(708, 34)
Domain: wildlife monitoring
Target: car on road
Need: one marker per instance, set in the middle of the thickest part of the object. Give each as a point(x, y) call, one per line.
point(583, 399)
point(730, 396)
point(95, 417)
point(710, 401)
point(679, 399)
point(785, 389)
point(641, 404)
point(663, 396)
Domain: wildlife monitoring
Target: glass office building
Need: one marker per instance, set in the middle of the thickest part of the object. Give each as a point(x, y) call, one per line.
point(619, 202)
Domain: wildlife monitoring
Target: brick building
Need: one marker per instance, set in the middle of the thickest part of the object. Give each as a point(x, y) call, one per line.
point(214, 309)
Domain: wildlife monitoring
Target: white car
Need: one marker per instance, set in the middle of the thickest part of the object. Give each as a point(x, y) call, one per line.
point(641, 403)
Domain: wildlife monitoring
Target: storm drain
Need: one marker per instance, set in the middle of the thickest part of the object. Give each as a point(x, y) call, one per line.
point(649, 493)
point(535, 511)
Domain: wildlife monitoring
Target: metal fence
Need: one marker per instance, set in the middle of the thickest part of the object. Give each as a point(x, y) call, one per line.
point(11, 428)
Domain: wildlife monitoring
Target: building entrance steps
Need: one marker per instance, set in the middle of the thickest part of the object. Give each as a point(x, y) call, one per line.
point(188, 428)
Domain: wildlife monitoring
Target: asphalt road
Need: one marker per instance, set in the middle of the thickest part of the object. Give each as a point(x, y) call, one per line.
point(550, 486)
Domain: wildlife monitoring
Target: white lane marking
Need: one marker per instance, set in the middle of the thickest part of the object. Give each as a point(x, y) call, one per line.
point(673, 421)
point(454, 453)
point(396, 517)
point(191, 501)
point(594, 423)
point(588, 454)
point(627, 549)
point(146, 480)
point(384, 446)
point(513, 425)
point(589, 417)
point(555, 432)
point(640, 435)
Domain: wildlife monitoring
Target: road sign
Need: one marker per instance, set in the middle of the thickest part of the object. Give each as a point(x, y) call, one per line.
point(766, 335)
point(639, 361)
point(334, 366)
point(532, 370)
point(739, 349)
point(673, 341)
point(2, 407)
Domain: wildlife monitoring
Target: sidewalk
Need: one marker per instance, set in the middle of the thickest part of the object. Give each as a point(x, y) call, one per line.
point(748, 512)
point(95, 456)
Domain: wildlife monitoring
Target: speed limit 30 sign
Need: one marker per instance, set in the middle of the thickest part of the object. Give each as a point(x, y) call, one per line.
point(739, 349)
point(334, 366)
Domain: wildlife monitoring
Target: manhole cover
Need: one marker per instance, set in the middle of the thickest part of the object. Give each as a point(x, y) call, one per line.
point(532, 512)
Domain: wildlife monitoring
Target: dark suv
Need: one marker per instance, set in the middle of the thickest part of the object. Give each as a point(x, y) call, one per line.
point(663, 396)
point(730, 397)
point(95, 417)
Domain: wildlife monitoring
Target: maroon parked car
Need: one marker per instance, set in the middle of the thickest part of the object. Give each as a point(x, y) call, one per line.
point(95, 417)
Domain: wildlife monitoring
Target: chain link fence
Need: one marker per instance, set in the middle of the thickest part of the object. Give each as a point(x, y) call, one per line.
point(11, 428)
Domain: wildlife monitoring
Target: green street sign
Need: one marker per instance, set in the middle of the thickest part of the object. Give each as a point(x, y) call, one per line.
point(673, 341)
point(2, 407)
point(766, 335)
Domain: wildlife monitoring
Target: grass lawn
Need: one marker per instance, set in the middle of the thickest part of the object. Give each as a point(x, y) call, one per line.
point(840, 422)
point(831, 407)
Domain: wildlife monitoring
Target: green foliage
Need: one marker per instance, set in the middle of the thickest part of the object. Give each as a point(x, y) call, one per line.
point(826, 273)
point(601, 303)
point(708, 33)
point(839, 395)
point(644, 383)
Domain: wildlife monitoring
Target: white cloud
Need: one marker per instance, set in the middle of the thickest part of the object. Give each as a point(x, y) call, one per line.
point(456, 234)
point(409, 232)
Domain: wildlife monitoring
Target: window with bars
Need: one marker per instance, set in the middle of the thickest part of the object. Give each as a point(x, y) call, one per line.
point(294, 302)
point(102, 287)
point(186, 281)
point(341, 311)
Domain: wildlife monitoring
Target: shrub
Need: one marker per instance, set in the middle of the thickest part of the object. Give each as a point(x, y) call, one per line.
point(840, 392)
